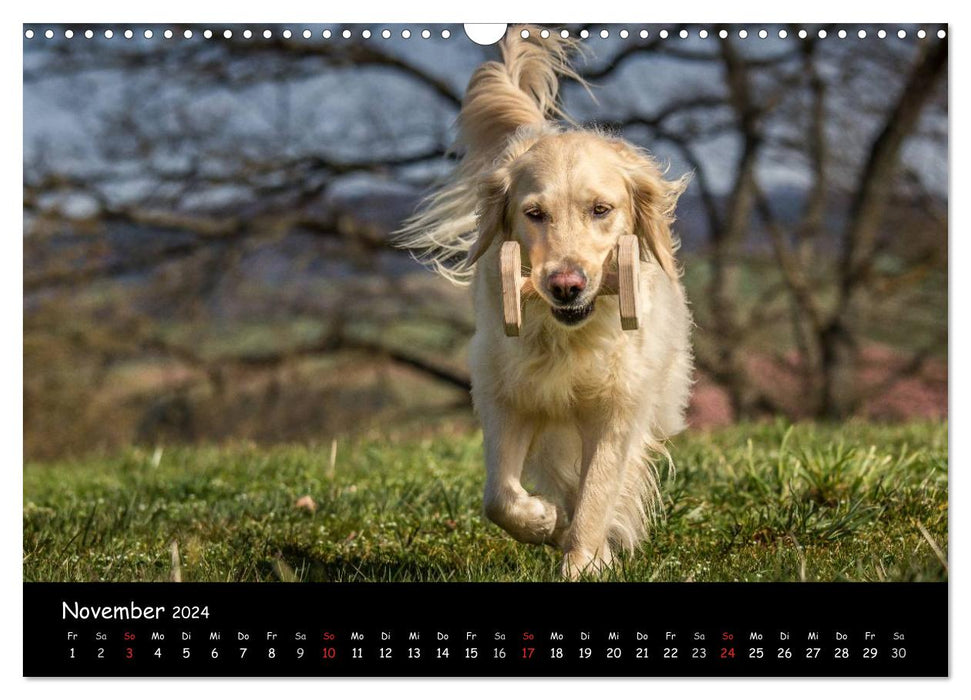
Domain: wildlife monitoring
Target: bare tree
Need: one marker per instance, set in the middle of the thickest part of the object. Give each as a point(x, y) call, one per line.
point(200, 161)
point(826, 292)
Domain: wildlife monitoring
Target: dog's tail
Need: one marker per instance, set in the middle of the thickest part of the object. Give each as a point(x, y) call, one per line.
point(502, 98)
point(520, 91)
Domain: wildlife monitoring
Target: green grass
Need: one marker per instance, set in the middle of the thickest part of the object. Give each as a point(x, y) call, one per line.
point(767, 502)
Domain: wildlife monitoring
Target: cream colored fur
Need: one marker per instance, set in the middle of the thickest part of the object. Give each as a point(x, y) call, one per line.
point(573, 417)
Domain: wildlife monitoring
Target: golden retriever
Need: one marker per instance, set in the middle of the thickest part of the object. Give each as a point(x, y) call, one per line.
point(575, 408)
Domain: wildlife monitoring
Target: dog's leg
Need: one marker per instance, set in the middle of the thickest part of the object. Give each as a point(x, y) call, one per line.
point(527, 518)
point(606, 444)
point(553, 468)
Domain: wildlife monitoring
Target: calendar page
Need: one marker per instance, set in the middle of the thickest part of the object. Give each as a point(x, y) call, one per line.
point(485, 350)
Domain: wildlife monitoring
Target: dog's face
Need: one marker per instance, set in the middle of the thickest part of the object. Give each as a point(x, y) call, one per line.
point(567, 198)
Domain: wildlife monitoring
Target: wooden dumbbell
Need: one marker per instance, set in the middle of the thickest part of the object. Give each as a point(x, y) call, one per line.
point(621, 281)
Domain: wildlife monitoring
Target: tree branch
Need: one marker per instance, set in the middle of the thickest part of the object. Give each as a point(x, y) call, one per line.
point(859, 238)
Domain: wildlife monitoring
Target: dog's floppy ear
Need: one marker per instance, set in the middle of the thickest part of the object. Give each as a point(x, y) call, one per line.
point(491, 212)
point(654, 199)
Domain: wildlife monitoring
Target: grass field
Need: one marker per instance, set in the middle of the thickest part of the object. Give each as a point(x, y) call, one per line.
point(767, 502)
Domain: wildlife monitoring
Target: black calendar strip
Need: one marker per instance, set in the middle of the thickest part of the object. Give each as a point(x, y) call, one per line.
point(587, 629)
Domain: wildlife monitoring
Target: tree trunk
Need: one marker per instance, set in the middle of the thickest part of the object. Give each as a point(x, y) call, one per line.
point(839, 348)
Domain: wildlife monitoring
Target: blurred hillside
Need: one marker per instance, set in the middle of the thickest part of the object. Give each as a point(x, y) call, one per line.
point(206, 226)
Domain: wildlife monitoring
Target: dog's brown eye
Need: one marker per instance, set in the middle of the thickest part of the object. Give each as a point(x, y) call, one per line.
point(601, 210)
point(535, 214)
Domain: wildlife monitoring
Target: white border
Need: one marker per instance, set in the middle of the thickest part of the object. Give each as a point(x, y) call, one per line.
point(516, 11)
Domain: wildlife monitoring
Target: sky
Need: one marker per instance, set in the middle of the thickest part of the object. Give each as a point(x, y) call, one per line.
point(72, 119)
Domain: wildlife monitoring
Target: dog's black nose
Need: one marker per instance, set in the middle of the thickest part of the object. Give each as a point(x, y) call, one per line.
point(566, 285)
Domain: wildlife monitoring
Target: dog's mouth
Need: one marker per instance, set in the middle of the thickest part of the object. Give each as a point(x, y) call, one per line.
point(573, 315)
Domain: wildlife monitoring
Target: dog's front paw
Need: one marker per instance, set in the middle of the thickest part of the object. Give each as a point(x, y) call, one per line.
point(540, 521)
point(529, 519)
point(577, 562)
